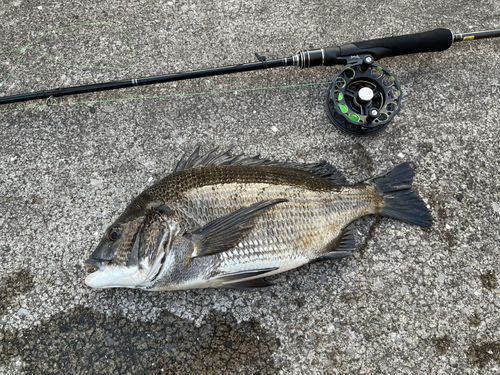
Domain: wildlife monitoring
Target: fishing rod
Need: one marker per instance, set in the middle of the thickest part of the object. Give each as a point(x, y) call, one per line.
point(363, 97)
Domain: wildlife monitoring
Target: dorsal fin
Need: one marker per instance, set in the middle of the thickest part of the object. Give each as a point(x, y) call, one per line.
point(322, 169)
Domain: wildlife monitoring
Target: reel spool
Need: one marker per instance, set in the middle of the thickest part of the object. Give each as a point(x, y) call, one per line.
point(363, 98)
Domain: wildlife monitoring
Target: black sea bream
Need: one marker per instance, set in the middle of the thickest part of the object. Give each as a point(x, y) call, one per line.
point(225, 222)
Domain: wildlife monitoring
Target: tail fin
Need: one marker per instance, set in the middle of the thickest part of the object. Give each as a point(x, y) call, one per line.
point(400, 202)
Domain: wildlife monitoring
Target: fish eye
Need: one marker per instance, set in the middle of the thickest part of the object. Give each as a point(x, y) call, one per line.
point(114, 233)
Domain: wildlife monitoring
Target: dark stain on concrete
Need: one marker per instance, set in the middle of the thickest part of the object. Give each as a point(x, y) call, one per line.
point(34, 199)
point(475, 320)
point(480, 355)
point(442, 344)
point(489, 280)
point(350, 298)
point(442, 214)
point(300, 302)
point(449, 238)
point(82, 341)
point(12, 285)
point(360, 157)
point(425, 147)
point(341, 360)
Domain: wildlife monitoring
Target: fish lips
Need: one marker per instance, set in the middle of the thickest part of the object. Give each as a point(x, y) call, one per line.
point(102, 255)
point(116, 277)
point(93, 263)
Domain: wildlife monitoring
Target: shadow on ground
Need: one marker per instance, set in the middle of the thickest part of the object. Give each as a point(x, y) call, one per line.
point(82, 340)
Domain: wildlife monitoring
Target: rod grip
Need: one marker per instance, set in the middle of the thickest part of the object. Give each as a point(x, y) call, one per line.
point(428, 41)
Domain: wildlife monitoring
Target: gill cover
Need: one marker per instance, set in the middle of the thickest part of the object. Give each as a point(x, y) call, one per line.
point(131, 251)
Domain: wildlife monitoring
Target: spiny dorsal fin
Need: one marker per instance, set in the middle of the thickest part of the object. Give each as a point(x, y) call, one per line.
point(322, 169)
point(227, 231)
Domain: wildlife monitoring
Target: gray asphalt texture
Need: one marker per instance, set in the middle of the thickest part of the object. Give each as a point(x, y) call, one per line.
point(411, 301)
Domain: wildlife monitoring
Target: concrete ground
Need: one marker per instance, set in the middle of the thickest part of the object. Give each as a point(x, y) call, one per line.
point(411, 301)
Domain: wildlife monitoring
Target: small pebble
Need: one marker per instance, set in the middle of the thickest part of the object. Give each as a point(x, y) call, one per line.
point(23, 311)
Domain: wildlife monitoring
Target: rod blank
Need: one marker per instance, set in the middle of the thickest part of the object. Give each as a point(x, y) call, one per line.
point(476, 35)
point(430, 41)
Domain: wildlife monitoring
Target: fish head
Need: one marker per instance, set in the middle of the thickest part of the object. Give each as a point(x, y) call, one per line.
point(132, 249)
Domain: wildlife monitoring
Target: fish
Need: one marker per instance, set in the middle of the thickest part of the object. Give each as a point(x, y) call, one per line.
point(223, 221)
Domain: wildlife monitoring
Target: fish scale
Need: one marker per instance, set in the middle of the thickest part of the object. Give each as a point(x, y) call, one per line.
point(296, 230)
point(224, 221)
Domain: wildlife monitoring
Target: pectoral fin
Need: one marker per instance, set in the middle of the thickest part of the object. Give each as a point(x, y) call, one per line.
point(227, 231)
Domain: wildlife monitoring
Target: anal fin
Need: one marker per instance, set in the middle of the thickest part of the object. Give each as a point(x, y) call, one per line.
point(346, 246)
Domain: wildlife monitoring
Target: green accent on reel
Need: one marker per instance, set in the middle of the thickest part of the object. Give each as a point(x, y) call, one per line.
point(349, 73)
point(343, 108)
point(354, 117)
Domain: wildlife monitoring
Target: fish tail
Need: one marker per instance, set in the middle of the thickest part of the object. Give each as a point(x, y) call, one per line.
point(399, 200)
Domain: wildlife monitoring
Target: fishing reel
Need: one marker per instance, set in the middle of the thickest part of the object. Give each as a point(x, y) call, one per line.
point(363, 98)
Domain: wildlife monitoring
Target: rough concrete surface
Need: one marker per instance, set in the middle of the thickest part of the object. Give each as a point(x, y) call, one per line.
point(411, 301)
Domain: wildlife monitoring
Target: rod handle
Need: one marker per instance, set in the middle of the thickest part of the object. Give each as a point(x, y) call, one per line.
point(428, 41)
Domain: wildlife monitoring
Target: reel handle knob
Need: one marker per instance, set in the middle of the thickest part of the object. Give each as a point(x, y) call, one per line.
point(367, 61)
point(372, 115)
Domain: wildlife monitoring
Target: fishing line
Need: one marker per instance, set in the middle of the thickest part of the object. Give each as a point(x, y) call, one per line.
point(27, 47)
point(363, 97)
point(165, 96)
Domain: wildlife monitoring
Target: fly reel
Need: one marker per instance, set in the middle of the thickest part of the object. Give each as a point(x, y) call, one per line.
point(363, 98)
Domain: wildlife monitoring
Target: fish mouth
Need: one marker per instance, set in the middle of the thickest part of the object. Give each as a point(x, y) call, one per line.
point(96, 263)
point(114, 277)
